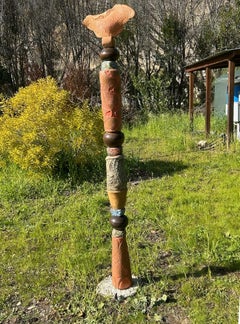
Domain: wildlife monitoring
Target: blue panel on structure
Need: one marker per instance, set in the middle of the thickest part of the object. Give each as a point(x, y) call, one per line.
point(236, 92)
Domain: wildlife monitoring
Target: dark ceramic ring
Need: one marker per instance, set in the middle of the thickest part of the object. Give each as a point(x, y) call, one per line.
point(109, 54)
point(115, 139)
point(119, 223)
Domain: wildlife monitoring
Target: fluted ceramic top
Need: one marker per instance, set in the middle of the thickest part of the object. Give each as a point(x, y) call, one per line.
point(111, 22)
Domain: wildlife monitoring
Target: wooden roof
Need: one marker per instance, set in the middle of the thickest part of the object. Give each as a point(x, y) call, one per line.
point(219, 60)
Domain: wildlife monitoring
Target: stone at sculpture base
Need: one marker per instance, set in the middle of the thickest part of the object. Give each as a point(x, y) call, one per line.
point(105, 288)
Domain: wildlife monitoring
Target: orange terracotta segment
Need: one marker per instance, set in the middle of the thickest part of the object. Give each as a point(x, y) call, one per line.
point(117, 199)
point(111, 22)
point(110, 84)
point(112, 124)
point(108, 41)
point(121, 271)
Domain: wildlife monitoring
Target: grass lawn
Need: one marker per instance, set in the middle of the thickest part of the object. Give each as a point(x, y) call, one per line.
point(183, 235)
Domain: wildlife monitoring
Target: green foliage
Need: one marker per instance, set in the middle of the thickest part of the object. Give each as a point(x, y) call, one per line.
point(173, 30)
point(219, 33)
point(41, 130)
point(160, 83)
point(172, 60)
point(152, 93)
point(228, 25)
point(206, 40)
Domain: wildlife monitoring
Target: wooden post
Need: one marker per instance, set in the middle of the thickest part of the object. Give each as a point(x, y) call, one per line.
point(208, 102)
point(231, 73)
point(191, 89)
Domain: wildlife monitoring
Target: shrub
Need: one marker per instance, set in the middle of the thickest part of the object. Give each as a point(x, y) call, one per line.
point(40, 129)
point(152, 93)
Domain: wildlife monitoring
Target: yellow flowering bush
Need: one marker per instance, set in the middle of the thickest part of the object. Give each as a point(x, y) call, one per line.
point(39, 127)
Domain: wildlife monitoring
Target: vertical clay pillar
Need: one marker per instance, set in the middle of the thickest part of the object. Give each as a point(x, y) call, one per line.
point(107, 26)
point(116, 176)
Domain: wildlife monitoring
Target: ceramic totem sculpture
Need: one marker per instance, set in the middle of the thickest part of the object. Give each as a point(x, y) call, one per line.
point(107, 26)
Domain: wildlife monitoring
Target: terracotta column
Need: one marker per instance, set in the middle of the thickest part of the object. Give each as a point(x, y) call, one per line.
point(107, 26)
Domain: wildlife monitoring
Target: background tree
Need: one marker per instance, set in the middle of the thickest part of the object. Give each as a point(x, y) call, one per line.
point(40, 38)
point(12, 40)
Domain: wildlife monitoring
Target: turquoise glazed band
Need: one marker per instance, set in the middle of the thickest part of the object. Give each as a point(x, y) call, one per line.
point(117, 212)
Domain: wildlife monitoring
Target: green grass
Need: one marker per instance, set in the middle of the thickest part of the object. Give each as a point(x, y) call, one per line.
point(183, 235)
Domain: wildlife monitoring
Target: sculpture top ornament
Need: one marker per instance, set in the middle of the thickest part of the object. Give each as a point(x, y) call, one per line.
point(110, 23)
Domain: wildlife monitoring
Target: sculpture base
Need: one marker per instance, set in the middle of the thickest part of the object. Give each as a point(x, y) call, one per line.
point(121, 271)
point(105, 288)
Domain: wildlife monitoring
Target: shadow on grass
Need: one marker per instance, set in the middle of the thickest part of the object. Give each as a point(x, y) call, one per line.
point(95, 171)
point(211, 270)
point(215, 270)
point(144, 170)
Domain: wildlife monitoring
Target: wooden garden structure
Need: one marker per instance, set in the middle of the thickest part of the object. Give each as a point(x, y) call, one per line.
point(227, 59)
